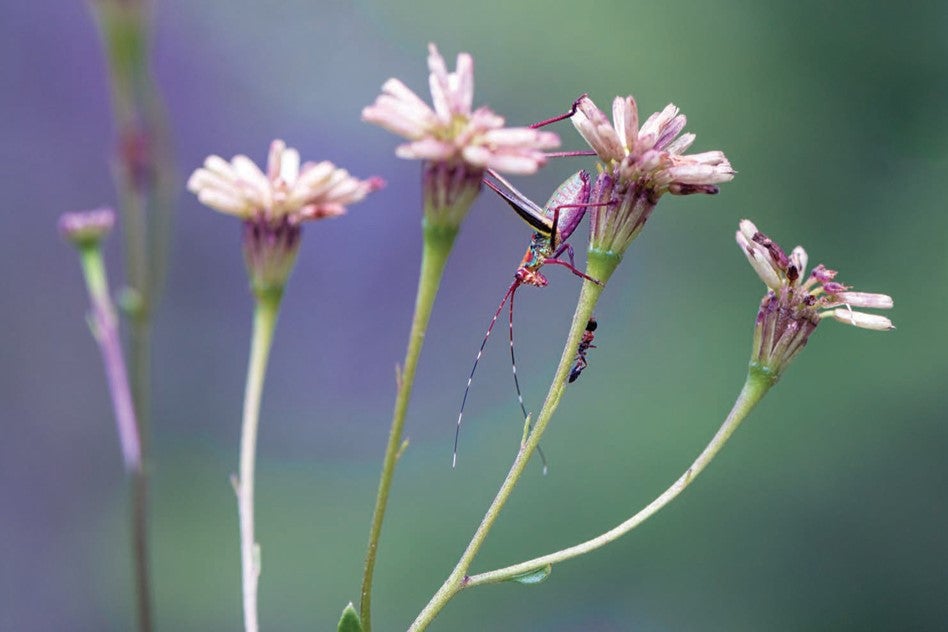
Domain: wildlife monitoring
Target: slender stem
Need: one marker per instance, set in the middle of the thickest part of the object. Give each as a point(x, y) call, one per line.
point(143, 175)
point(105, 329)
point(600, 266)
point(264, 323)
point(438, 241)
point(139, 520)
point(754, 389)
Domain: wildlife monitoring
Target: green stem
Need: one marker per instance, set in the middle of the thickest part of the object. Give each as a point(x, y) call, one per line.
point(600, 266)
point(264, 323)
point(755, 388)
point(438, 241)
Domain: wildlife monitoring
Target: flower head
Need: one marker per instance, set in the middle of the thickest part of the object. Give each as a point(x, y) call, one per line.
point(86, 228)
point(287, 189)
point(641, 164)
point(796, 302)
point(451, 132)
point(275, 203)
point(456, 143)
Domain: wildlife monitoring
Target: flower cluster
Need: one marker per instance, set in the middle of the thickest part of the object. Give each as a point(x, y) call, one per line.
point(796, 303)
point(456, 143)
point(641, 164)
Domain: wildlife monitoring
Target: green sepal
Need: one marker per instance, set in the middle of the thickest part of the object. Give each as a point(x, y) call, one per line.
point(533, 577)
point(350, 620)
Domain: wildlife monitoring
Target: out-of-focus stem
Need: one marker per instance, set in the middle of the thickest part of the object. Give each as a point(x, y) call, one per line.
point(143, 175)
point(105, 329)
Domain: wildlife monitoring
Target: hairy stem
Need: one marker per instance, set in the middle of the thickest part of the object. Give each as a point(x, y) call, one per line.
point(264, 323)
point(600, 266)
point(438, 241)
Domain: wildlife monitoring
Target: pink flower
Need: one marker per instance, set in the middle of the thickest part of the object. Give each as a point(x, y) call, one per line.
point(641, 164)
point(451, 132)
point(287, 189)
point(274, 204)
point(653, 154)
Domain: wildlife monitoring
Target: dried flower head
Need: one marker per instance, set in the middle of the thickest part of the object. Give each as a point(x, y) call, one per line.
point(86, 228)
point(457, 143)
point(796, 303)
point(275, 203)
point(640, 165)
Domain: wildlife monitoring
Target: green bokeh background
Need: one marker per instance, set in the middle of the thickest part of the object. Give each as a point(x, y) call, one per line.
point(827, 511)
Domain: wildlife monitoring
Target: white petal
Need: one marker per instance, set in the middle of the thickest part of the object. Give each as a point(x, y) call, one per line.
point(866, 299)
point(464, 90)
point(401, 92)
point(625, 119)
point(249, 172)
point(220, 201)
point(681, 144)
point(513, 163)
point(862, 320)
point(290, 167)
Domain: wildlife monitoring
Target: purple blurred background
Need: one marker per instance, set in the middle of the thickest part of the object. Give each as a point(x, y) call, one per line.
point(827, 512)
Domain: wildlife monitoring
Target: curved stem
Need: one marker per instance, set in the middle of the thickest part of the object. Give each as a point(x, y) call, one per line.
point(754, 389)
point(438, 241)
point(600, 266)
point(264, 323)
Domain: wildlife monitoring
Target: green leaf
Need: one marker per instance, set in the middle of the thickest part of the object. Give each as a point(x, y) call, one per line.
point(350, 620)
point(533, 577)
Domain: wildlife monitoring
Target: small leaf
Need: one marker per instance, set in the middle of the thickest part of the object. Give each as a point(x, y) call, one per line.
point(533, 577)
point(350, 620)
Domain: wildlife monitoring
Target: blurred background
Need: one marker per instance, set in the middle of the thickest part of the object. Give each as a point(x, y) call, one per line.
point(828, 508)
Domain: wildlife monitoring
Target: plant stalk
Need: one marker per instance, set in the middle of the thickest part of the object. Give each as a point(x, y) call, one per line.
point(438, 241)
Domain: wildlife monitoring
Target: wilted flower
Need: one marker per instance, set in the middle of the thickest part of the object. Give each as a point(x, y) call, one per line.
point(641, 164)
point(456, 143)
point(275, 203)
point(796, 303)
